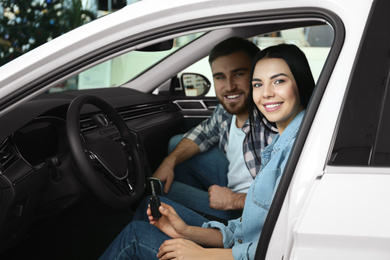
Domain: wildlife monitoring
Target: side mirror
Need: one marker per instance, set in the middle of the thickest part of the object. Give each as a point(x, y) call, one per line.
point(194, 85)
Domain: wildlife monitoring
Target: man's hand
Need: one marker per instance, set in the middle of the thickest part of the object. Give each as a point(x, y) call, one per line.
point(183, 151)
point(223, 198)
point(166, 174)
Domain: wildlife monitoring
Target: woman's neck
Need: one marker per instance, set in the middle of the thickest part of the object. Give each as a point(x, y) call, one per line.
point(283, 125)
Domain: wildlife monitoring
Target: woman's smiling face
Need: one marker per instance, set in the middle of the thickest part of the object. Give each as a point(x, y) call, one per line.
point(275, 92)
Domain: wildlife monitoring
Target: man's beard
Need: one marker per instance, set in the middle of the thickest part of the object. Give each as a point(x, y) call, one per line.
point(234, 108)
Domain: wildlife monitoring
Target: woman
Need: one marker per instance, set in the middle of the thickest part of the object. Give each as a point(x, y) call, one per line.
point(282, 84)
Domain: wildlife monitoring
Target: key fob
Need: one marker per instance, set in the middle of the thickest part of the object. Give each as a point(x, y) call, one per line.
point(154, 205)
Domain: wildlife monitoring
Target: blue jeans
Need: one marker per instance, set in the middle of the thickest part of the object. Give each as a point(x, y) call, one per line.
point(141, 240)
point(193, 178)
point(204, 169)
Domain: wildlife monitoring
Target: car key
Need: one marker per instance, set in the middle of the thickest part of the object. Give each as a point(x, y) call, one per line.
point(154, 200)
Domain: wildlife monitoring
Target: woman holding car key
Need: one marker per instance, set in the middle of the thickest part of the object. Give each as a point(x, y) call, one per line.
point(282, 84)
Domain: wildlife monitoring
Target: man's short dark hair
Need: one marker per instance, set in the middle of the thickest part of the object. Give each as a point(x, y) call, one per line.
point(232, 45)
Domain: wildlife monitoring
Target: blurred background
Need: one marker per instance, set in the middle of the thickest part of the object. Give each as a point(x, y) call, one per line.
point(26, 24)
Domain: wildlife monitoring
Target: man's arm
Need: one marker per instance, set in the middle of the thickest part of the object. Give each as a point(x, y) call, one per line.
point(223, 198)
point(199, 139)
point(183, 151)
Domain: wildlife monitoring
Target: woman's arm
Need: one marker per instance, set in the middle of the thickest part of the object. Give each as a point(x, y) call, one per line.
point(187, 239)
point(186, 249)
point(171, 224)
point(209, 237)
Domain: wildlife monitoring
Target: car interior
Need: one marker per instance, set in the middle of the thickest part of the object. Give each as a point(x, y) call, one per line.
point(75, 157)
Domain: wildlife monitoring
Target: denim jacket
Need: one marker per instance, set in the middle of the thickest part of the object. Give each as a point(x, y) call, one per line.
point(242, 234)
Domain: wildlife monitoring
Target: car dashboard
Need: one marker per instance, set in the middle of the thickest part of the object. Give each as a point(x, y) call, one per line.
point(37, 178)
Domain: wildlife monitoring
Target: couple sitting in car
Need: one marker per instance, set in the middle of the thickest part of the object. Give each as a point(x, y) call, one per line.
point(260, 92)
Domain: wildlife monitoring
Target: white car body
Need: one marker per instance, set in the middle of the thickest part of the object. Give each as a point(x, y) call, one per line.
point(329, 212)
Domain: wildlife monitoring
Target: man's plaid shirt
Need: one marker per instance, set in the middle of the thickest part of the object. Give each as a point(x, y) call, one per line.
point(215, 131)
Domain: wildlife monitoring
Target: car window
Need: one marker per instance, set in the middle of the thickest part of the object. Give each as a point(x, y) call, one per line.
point(122, 69)
point(314, 41)
point(363, 136)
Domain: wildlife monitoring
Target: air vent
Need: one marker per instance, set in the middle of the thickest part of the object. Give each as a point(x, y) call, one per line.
point(144, 110)
point(7, 156)
point(87, 123)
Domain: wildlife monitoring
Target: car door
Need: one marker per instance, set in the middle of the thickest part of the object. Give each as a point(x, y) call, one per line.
point(334, 201)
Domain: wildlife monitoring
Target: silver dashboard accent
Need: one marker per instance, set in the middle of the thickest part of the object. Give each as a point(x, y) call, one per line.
point(201, 102)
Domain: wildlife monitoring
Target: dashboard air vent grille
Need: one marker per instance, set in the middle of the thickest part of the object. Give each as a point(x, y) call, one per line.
point(144, 110)
point(87, 124)
point(7, 156)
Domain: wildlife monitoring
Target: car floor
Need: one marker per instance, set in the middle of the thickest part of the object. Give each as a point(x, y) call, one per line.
point(82, 232)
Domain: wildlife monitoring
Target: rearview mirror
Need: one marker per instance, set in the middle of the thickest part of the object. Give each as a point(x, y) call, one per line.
point(194, 85)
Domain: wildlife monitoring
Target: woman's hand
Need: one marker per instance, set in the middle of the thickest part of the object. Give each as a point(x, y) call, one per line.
point(170, 223)
point(181, 249)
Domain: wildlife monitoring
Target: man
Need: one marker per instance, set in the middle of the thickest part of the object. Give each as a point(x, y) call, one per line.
point(211, 168)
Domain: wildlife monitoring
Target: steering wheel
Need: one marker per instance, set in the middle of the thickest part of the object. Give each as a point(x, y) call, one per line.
point(113, 169)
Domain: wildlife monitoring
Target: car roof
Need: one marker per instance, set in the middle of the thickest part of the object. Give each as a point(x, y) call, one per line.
point(146, 22)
